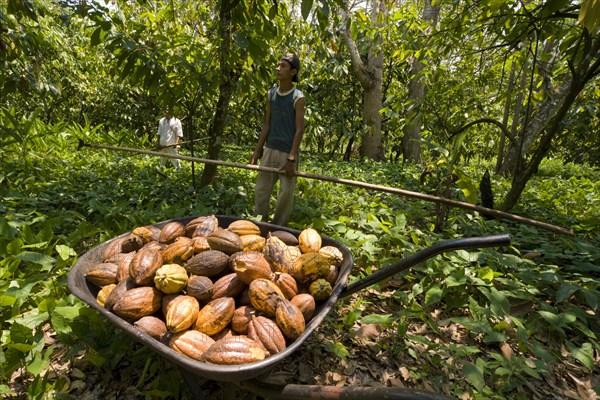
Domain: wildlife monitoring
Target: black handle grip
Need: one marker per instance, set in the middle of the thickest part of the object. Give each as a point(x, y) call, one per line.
point(412, 260)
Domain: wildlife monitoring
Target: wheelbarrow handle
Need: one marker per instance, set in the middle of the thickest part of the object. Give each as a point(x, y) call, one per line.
point(414, 259)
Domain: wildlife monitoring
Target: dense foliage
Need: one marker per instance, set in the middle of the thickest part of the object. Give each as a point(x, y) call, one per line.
point(495, 323)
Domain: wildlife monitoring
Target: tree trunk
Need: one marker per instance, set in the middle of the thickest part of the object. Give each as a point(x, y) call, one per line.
point(227, 82)
point(507, 106)
point(411, 147)
point(548, 122)
point(370, 77)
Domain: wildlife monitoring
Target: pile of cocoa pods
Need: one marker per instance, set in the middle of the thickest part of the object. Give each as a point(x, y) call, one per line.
point(217, 295)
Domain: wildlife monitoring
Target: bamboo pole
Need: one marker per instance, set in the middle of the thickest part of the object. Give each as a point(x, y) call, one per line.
point(364, 185)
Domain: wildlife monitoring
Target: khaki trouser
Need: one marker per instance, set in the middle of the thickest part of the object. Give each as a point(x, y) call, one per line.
point(174, 161)
point(265, 182)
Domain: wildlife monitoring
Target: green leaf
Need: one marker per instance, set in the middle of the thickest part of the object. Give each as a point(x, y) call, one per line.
point(433, 295)
point(339, 350)
point(584, 354)
point(65, 252)
point(41, 360)
point(306, 8)
point(499, 304)
point(381, 319)
point(474, 375)
point(36, 258)
point(565, 291)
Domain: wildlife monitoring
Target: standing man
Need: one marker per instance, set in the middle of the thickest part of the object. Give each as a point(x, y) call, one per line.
point(280, 136)
point(169, 134)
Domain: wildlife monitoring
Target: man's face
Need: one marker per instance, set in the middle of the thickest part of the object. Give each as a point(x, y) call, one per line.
point(168, 114)
point(284, 70)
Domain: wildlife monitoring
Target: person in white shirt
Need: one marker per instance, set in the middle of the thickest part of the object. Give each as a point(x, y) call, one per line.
point(170, 133)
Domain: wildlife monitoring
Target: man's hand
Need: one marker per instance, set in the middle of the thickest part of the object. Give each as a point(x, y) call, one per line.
point(289, 168)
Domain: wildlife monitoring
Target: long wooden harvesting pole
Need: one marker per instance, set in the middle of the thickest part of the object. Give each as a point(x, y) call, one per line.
point(364, 185)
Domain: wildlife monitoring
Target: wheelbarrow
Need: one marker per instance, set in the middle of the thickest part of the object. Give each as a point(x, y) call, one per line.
point(244, 375)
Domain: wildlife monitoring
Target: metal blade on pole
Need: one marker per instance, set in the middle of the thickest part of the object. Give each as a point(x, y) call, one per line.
point(364, 185)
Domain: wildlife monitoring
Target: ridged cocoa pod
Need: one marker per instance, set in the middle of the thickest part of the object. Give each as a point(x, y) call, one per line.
point(215, 316)
point(117, 293)
point(171, 231)
point(289, 319)
point(243, 227)
point(225, 241)
point(309, 240)
point(182, 313)
point(264, 295)
point(138, 302)
point(123, 260)
point(144, 232)
point(208, 263)
point(102, 274)
point(152, 326)
point(170, 278)
point(266, 332)
point(166, 302)
point(253, 242)
point(234, 350)
point(306, 303)
point(206, 227)
point(131, 243)
point(286, 237)
point(154, 245)
point(228, 286)
point(250, 265)
point(104, 293)
point(241, 317)
point(309, 267)
point(191, 343)
point(278, 255)
point(286, 283)
point(191, 226)
point(112, 249)
point(178, 252)
point(200, 287)
point(333, 254)
point(320, 289)
point(143, 266)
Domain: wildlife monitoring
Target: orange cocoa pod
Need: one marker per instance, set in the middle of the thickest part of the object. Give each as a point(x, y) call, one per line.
point(112, 248)
point(207, 226)
point(286, 283)
point(309, 240)
point(250, 265)
point(278, 254)
point(228, 285)
point(143, 266)
point(253, 242)
point(138, 302)
point(289, 319)
point(266, 332)
point(306, 303)
point(152, 326)
point(171, 231)
point(102, 274)
point(178, 252)
point(215, 316)
point(241, 317)
point(118, 292)
point(200, 244)
point(191, 343)
point(243, 227)
point(182, 313)
point(264, 295)
point(235, 350)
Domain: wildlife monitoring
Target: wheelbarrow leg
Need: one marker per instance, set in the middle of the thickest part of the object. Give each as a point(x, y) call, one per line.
point(193, 383)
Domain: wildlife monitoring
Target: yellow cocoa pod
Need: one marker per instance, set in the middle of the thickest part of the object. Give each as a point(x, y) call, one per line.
point(309, 267)
point(253, 242)
point(309, 240)
point(278, 254)
point(250, 265)
point(215, 316)
point(170, 278)
point(103, 294)
point(182, 313)
point(243, 227)
point(178, 252)
point(333, 254)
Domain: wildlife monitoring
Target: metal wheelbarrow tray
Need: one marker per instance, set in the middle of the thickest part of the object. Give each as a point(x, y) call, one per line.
point(236, 373)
